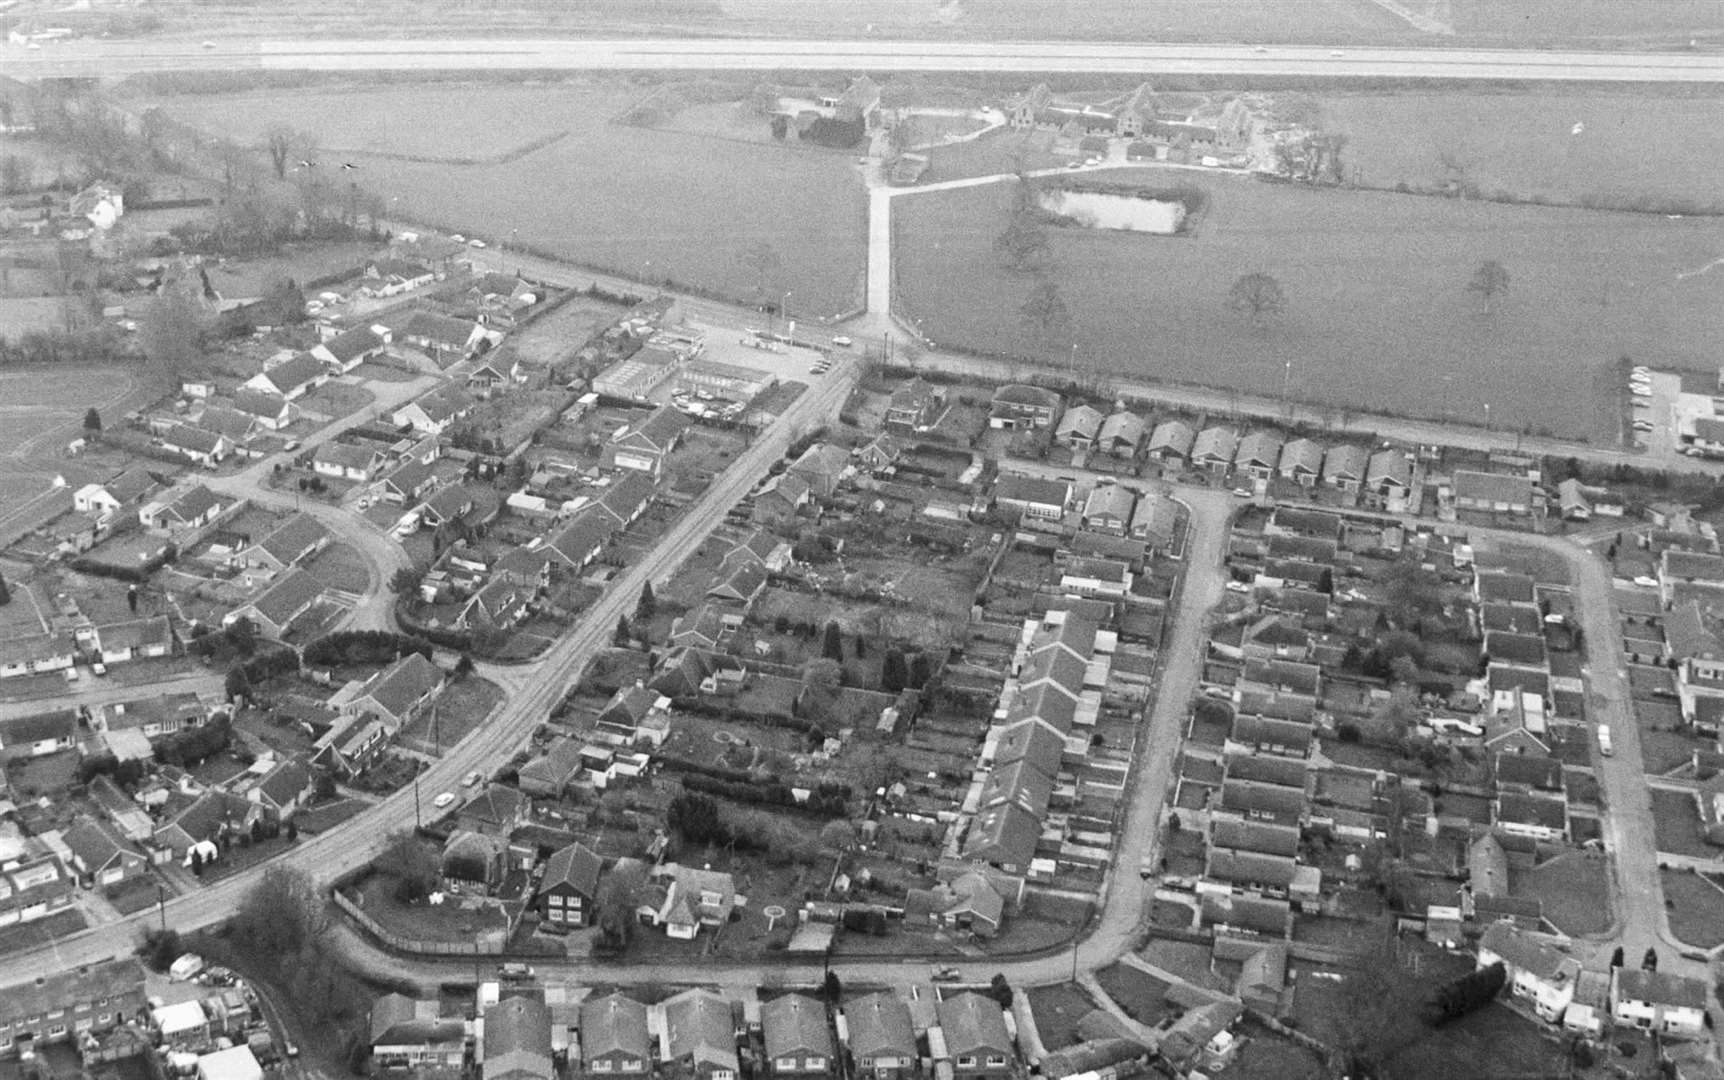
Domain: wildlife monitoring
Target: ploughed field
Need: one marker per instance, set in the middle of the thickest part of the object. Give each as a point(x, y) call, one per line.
point(1378, 313)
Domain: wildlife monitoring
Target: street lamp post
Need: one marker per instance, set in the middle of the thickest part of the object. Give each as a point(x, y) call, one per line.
point(784, 313)
point(162, 904)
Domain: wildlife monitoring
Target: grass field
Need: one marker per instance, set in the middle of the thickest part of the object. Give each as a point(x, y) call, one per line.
point(641, 202)
point(1523, 143)
point(1575, 891)
point(1696, 908)
point(1676, 824)
point(1378, 313)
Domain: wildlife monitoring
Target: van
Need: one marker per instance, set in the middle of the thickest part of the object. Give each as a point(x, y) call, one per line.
point(185, 967)
point(1604, 740)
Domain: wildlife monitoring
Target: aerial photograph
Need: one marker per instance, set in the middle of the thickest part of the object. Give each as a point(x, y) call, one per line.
point(869, 540)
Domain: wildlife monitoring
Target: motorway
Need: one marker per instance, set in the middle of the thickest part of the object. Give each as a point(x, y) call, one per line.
point(90, 58)
point(537, 687)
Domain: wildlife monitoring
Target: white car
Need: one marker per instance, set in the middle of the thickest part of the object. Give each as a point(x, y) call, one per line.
point(458, 238)
point(1643, 425)
point(475, 243)
point(1238, 587)
point(470, 779)
point(1646, 582)
point(1336, 52)
point(1639, 391)
point(443, 800)
point(842, 342)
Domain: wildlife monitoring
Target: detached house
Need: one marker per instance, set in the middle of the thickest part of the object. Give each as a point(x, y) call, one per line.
point(181, 510)
point(1078, 427)
point(136, 639)
point(518, 1041)
point(1658, 1001)
point(101, 856)
point(287, 598)
point(780, 499)
point(409, 1033)
point(434, 411)
point(1214, 448)
point(398, 692)
point(569, 890)
point(822, 467)
point(392, 277)
point(696, 1036)
point(614, 1037)
point(1020, 406)
point(347, 461)
point(1301, 462)
point(1108, 509)
point(269, 410)
point(293, 542)
point(882, 1036)
point(1034, 496)
point(1344, 467)
point(798, 1042)
point(1258, 455)
point(1171, 442)
point(347, 350)
point(915, 407)
point(197, 445)
point(644, 445)
point(290, 380)
point(1536, 969)
point(1121, 435)
point(1389, 477)
point(976, 1037)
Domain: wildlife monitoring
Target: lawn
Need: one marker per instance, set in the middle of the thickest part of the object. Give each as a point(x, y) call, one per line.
point(1366, 275)
point(341, 566)
point(1267, 1057)
point(1140, 994)
point(1575, 891)
point(1523, 143)
point(1495, 1041)
point(41, 931)
point(1057, 1010)
point(1696, 908)
point(459, 711)
point(424, 921)
point(637, 201)
point(1676, 824)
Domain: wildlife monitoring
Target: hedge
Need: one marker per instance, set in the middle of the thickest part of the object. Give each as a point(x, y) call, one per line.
point(364, 646)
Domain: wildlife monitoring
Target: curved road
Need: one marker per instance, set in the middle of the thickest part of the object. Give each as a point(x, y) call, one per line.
point(81, 58)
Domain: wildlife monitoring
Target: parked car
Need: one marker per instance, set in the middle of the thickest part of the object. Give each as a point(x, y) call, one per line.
point(470, 779)
point(842, 342)
point(99, 668)
point(1646, 582)
point(1639, 425)
point(513, 970)
point(945, 974)
point(443, 800)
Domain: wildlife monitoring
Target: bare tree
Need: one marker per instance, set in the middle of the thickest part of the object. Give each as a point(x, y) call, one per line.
point(1491, 282)
point(764, 265)
point(1024, 241)
point(173, 333)
point(1258, 295)
point(1047, 320)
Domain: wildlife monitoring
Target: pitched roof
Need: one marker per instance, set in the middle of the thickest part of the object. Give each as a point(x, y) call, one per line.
point(303, 369)
point(1528, 952)
point(135, 633)
point(1259, 449)
point(1493, 488)
point(1302, 454)
point(973, 1024)
point(293, 538)
point(1389, 467)
point(575, 866)
point(1175, 435)
point(1660, 988)
point(1215, 444)
point(628, 494)
point(258, 403)
point(614, 1024)
point(698, 1027)
point(1017, 487)
point(1345, 462)
point(795, 1025)
point(518, 1037)
point(195, 439)
point(348, 455)
point(94, 842)
point(1024, 394)
point(879, 1026)
point(402, 684)
point(1123, 427)
point(287, 596)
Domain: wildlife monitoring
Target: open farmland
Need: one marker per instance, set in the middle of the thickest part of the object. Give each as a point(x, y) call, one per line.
point(545, 163)
point(39, 412)
point(1378, 314)
point(1633, 149)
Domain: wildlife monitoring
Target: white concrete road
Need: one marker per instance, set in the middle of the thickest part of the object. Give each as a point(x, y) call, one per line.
point(118, 58)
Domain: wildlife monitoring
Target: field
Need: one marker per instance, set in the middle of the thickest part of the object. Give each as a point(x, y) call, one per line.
point(1378, 314)
point(1696, 908)
point(1524, 143)
point(38, 413)
point(641, 202)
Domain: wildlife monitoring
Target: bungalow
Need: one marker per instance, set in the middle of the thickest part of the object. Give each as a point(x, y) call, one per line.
point(496, 811)
point(181, 509)
point(882, 1039)
point(645, 444)
point(701, 628)
point(206, 819)
point(100, 855)
point(1034, 496)
point(1572, 501)
point(879, 454)
point(236, 427)
point(445, 337)
point(287, 598)
point(1155, 520)
point(1078, 427)
point(445, 506)
point(271, 411)
point(1493, 493)
point(976, 1037)
point(798, 1043)
point(152, 717)
point(739, 582)
point(128, 487)
point(289, 544)
point(347, 461)
point(1215, 448)
point(397, 693)
point(1258, 455)
point(697, 1036)
point(407, 484)
point(1121, 435)
point(822, 467)
point(569, 891)
point(494, 373)
point(1301, 462)
point(412, 1034)
point(435, 410)
point(1389, 477)
point(1659, 1001)
point(1533, 815)
point(475, 860)
point(392, 277)
point(549, 775)
point(284, 789)
point(694, 898)
point(764, 548)
point(579, 542)
point(290, 380)
point(1096, 577)
point(1020, 406)
point(517, 1042)
point(350, 348)
point(782, 497)
point(915, 407)
point(498, 605)
point(1171, 442)
point(137, 639)
point(615, 1040)
point(524, 568)
point(38, 735)
point(1108, 509)
point(1537, 970)
point(197, 445)
point(1344, 467)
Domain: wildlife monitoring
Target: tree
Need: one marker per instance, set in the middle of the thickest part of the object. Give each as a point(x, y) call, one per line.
point(411, 863)
point(1257, 295)
point(1469, 993)
point(1649, 962)
point(173, 333)
point(92, 423)
point(1491, 282)
point(1047, 321)
point(288, 301)
point(406, 581)
point(5, 593)
point(838, 836)
point(624, 636)
point(1616, 957)
point(833, 988)
point(284, 144)
point(823, 675)
point(647, 604)
point(832, 642)
point(238, 684)
point(1378, 1012)
point(894, 672)
point(282, 914)
point(619, 894)
point(197, 863)
point(463, 668)
point(242, 635)
point(1024, 241)
point(292, 831)
point(160, 949)
point(1000, 990)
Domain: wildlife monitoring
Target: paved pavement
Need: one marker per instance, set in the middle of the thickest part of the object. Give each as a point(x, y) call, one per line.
point(117, 58)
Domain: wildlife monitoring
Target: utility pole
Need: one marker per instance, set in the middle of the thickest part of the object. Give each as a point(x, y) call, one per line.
point(418, 821)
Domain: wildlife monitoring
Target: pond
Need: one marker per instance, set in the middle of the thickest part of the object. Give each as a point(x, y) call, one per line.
point(1111, 210)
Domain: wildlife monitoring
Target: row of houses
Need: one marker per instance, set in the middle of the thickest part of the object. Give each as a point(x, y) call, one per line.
point(700, 1033)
